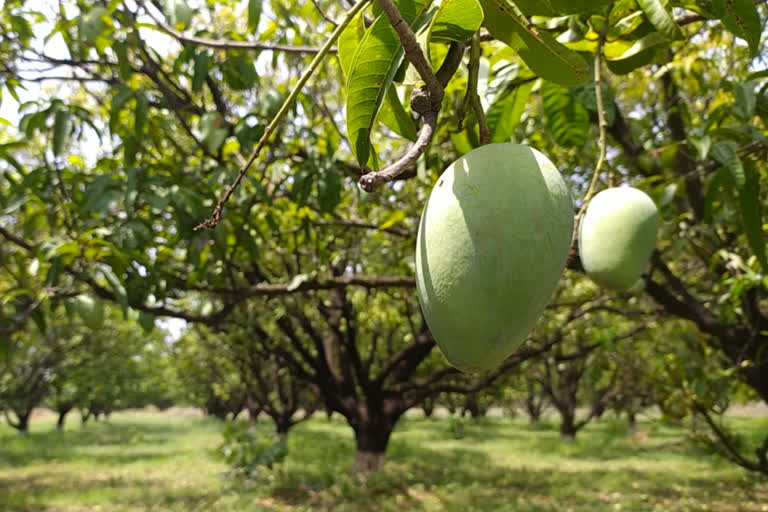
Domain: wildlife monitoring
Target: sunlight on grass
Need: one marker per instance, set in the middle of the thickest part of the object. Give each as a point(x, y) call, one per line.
point(161, 462)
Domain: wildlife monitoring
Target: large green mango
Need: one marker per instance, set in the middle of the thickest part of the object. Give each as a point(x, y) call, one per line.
point(90, 309)
point(492, 243)
point(617, 236)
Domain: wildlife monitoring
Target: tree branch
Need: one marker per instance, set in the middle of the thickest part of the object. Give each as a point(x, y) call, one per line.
point(223, 44)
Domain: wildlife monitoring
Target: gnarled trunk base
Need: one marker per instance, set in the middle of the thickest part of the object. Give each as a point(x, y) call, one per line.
point(367, 462)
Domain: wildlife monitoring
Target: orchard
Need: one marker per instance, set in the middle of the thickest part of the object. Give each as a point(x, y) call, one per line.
point(277, 211)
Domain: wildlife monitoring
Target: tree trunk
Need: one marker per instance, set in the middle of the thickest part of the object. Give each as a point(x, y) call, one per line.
point(631, 422)
point(282, 425)
point(568, 428)
point(62, 416)
point(371, 439)
point(22, 423)
point(84, 417)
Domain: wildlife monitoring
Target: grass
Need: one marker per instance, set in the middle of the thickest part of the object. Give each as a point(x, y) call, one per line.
point(163, 462)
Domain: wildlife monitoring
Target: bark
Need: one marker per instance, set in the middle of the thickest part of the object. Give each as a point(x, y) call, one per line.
point(367, 462)
point(631, 422)
point(283, 425)
point(22, 421)
point(371, 440)
point(568, 429)
point(62, 416)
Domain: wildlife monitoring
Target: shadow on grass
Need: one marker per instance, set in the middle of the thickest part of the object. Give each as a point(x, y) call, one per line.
point(108, 443)
point(30, 493)
point(458, 477)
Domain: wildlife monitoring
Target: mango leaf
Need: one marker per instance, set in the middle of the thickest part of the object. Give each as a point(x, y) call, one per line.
point(578, 6)
point(661, 18)
point(567, 118)
point(456, 20)
point(254, 14)
point(725, 152)
point(394, 116)
point(116, 286)
point(118, 101)
point(622, 60)
point(239, 73)
point(718, 181)
point(742, 19)
point(349, 41)
point(393, 218)
point(547, 58)
point(5, 348)
point(142, 110)
point(373, 67)
point(751, 214)
point(123, 65)
point(213, 131)
point(202, 66)
point(745, 100)
point(536, 7)
point(329, 189)
point(504, 114)
point(62, 126)
point(146, 321)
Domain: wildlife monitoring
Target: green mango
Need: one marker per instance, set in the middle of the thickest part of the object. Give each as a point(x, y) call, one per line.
point(90, 309)
point(492, 243)
point(617, 236)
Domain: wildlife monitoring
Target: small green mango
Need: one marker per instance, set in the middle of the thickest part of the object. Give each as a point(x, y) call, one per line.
point(90, 309)
point(617, 236)
point(492, 243)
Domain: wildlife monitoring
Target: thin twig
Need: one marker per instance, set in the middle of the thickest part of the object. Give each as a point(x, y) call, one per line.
point(224, 44)
point(217, 212)
point(474, 98)
point(413, 51)
point(602, 124)
point(373, 180)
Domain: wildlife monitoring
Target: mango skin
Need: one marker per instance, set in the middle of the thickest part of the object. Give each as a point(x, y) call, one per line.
point(617, 236)
point(492, 243)
point(90, 309)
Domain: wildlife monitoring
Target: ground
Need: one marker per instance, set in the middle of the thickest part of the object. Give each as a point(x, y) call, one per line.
point(143, 460)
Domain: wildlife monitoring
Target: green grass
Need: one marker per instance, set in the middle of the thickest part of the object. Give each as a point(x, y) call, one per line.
point(161, 462)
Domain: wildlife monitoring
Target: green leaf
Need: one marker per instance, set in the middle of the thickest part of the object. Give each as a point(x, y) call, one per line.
point(751, 214)
point(622, 60)
point(142, 110)
point(661, 18)
point(746, 100)
point(504, 114)
point(239, 73)
point(742, 19)
point(62, 126)
point(545, 56)
point(118, 101)
point(373, 67)
point(116, 286)
point(202, 66)
point(5, 348)
point(456, 20)
point(567, 118)
point(123, 65)
point(578, 6)
point(329, 190)
point(146, 321)
point(718, 181)
point(213, 131)
point(254, 14)
point(348, 42)
point(725, 152)
point(393, 218)
point(394, 116)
